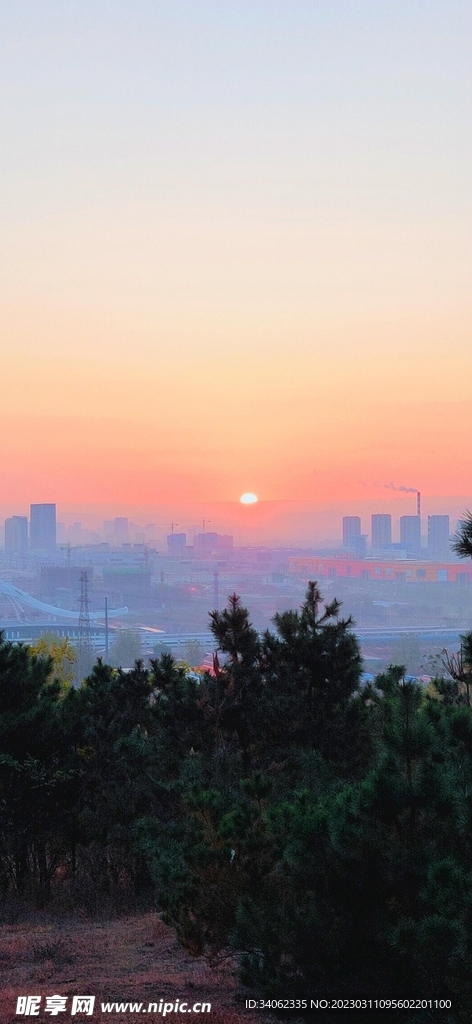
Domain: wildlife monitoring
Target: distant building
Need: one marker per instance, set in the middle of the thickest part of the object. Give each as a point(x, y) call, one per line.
point(410, 534)
point(61, 533)
point(438, 538)
point(121, 530)
point(397, 552)
point(116, 531)
point(351, 529)
point(410, 570)
point(176, 543)
point(381, 531)
point(359, 546)
point(43, 527)
point(74, 533)
point(205, 543)
point(16, 535)
point(353, 539)
point(109, 530)
point(127, 581)
point(225, 541)
point(56, 578)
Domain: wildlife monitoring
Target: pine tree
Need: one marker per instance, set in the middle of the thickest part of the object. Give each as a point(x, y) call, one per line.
point(35, 772)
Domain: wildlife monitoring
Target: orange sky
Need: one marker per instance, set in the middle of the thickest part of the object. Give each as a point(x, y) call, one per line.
point(231, 269)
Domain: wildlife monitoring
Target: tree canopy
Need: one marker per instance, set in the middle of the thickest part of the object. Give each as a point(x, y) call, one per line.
point(462, 542)
point(274, 806)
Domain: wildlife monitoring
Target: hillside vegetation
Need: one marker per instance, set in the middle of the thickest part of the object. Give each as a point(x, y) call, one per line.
point(316, 830)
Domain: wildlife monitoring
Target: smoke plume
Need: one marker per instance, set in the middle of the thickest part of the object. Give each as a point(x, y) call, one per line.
point(408, 490)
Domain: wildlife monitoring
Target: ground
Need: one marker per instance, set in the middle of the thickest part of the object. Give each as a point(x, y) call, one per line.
point(131, 959)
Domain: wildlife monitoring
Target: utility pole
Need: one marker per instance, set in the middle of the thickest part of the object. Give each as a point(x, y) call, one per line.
point(106, 630)
point(69, 574)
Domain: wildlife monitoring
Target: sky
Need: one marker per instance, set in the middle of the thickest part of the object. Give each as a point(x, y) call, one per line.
point(235, 249)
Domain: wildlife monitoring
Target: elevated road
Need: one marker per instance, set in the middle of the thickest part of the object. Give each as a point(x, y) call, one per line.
point(20, 631)
point(20, 597)
point(379, 634)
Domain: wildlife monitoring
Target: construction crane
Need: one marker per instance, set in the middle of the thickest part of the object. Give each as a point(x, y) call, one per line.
point(168, 524)
point(67, 548)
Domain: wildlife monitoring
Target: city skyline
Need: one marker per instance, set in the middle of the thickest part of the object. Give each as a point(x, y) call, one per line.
point(267, 523)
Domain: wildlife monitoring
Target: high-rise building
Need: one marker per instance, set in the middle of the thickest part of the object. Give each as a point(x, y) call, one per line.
point(381, 531)
point(54, 579)
point(43, 527)
point(176, 543)
point(351, 529)
point(353, 539)
point(121, 530)
point(410, 534)
point(16, 535)
point(438, 538)
point(205, 543)
point(225, 541)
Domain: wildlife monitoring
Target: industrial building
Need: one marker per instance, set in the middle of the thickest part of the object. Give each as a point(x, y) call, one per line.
point(406, 571)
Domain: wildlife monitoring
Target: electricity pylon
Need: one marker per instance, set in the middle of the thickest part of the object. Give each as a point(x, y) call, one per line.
point(84, 647)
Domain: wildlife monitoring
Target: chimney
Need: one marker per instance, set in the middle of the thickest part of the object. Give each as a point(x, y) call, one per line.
point(418, 504)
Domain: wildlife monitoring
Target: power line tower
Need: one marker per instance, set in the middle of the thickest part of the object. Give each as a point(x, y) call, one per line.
point(84, 647)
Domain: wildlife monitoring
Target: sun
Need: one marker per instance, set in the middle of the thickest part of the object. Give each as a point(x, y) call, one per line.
point(248, 499)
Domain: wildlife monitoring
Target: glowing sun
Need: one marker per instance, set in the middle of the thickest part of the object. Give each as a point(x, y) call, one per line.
point(248, 499)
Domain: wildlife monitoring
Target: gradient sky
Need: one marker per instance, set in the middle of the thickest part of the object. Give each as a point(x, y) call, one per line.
point(235, 249)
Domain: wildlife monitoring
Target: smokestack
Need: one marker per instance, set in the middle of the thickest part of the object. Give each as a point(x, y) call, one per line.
point(418, 504)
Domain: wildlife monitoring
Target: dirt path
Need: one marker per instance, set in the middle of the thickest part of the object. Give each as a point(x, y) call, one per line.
point(133, 959)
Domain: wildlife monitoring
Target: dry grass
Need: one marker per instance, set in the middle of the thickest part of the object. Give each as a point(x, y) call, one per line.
point(126, 960)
